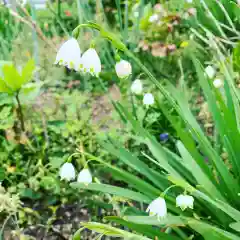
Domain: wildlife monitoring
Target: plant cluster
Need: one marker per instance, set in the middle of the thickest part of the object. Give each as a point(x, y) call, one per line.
point(141, 128)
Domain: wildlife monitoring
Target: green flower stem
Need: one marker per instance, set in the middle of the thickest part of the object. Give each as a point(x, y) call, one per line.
point(165, 192)
point(20, 113)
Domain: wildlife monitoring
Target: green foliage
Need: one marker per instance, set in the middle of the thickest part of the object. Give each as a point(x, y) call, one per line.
point(13, 80)
point(213, 183)
point(131, 165)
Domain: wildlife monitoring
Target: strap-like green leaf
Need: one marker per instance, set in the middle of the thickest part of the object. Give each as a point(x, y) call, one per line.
point(104, 188)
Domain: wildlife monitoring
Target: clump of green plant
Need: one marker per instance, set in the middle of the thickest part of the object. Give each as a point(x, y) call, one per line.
point(190, 192)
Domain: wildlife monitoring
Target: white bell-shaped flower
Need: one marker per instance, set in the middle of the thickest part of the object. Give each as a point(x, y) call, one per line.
point(91, 62)
point(137, 87)
point(184, 201)
point(78, 65)
point(69, 54)
point(210, 71)
point(157, 208)
point(84, 176)
point(67, 172)
point(123, 69)
point(153, 18)
point(148, 99)
point(218, 83)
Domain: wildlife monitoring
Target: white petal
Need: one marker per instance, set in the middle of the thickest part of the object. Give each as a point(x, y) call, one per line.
point(184, 201)
point(158, 208)
point(67, 172)
point(210, 71)
point(217, 83)
point(123, 69)
point(153, 18)
point(84, 176)
point(137, 87)
point(91, 62)
point(148, 99)
point(69, 53)
point(78, 65)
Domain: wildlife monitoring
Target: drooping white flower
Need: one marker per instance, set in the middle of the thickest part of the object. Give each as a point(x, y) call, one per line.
point(84, 176)
point(148, 99)
point(91, 62)
point(136, 14)
point(69, 54)
point(217, 83)
point(184, 201)
point(67, 172)
point(157, 208)
point(137, 87)
point(189, 1)
point(123, 69)
point(210, 71)
point(153, 18)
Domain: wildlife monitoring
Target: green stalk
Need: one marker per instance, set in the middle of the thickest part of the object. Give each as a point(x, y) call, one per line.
point(126, 22)
point(119, 14)
point(20, 113)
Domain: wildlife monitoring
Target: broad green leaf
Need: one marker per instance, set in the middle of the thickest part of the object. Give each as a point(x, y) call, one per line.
point(27, 71)
point(3, 63)
point(4, 88)
point(15, 80)
point(29, 193)
point(135, 163)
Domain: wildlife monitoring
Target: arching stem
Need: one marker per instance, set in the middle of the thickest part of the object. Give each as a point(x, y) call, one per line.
point(20, 113)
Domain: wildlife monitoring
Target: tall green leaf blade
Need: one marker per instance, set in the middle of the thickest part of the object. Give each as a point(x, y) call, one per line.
point(200, 176)
point(136, 164)
point(143, 229)
point(225, 176)
point(12, 78)
point(112, 231)
point(104, 188)
point(155, 147)
point(211, 232)
point(134, 181)
point(172, 221)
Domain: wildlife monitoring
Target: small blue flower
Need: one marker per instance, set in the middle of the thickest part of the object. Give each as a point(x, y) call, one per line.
point(164, 136)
